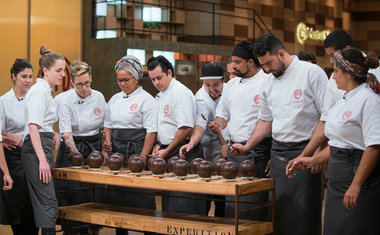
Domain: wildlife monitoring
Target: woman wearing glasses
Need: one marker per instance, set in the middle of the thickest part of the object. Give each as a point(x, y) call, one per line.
point(81, 113)
point(130, 126)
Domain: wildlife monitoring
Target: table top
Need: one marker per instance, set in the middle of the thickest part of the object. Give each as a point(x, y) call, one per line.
point(167, 182)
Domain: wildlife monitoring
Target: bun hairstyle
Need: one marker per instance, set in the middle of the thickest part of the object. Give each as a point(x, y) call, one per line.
point(356, 56)
point(19, 65)
point(48, 58)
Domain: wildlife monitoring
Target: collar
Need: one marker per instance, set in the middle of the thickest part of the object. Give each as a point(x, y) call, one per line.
point(349, 94)
point(134, 93)
point(171, 85)
point(45, 84)
point(290, 69)
point(77, 98)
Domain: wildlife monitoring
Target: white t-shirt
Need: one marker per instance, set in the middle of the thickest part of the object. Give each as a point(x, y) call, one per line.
point(207, 106)
point(40, 107)
point(294, 101)
point(240, 105)
point(176, 109)
point(136, 110)
point(81, 117)
point(13, 113)
point(333, 94)
point(353, 122)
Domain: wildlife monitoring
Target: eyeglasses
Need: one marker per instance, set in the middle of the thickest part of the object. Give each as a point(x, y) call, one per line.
point(81, 85)
point(124, 80)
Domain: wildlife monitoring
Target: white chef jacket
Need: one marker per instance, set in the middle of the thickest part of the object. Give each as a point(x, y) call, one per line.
point(13, 113)
point(1, 137)
point(176, 109)
point(40, 107)
point(294, 101)
point(81, 117)
point(136, 110)
point(207, 106)
point(240, 105)
point(353, 122)
point(333, 94)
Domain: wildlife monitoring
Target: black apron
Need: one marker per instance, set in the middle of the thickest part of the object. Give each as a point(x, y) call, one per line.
point(183, 205)
point(85, 145)
point(260, 155)
point(128, 142)
point(365, 217)
point(44, 202)
point(299, 199)
point(15, 203)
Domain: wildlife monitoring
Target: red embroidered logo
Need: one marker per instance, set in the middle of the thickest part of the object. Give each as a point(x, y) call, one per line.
point(346, 115)
point(297, 94)
point(256, 99)
point(97, 111)
point(166, 109)
point(133, 107)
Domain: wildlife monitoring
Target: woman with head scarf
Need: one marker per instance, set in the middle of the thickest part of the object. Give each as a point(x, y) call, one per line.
point(81, 113)
point(353, 132)
point(130, 127)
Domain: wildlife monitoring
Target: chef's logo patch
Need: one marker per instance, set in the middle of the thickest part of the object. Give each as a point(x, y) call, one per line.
point(97, 111)
point(297, 94)
point(256, 101)
point(133, 107)
point(166, 111)
point(346, 115)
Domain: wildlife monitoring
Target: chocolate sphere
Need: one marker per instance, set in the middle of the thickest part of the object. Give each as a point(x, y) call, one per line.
point(151, 159)
point(115, 162)
point(136, 164)
point(193, 165)
point(181, 167)
point(171, 162)
point(158, 166)
point(229, 170)
point(217, 165)
point(76, 159)
point(247, 169)
point(205, 169)
point(121, 156)
point(95, 159)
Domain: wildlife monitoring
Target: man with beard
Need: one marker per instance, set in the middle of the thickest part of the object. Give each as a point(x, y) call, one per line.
point(291, 104)
point(239, 106)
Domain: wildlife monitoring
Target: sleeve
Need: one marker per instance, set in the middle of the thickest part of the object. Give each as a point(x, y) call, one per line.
point(37, 106)
point(329, 98)
point(318, 81)
point(265, 113)
point(107, 119)
point(2, 114)
point(149, 110)
point(1, 119)
point(370, 122)
point(202, 109)
point(64, 115)
point(183, 109)
point(104, 107)
point(222, 110)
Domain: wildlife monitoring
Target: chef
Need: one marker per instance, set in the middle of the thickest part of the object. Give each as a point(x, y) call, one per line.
point(176, 118)
point(291, 103)
point(239, 107)
point(130, 127)
point(206, 99)
point(81, 113)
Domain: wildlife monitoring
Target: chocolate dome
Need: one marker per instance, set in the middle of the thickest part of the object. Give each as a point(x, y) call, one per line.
point(76, 159)
point(136, 163)
point(115, 162)
point(247, 169)
point(95, 159)
point(121, 156)
point(205, 169)
point(151, 159)
point(158, 166)
point(181, 167)
point(217, 165)
point(171, 162)
point(229, 170)
point(193, 165)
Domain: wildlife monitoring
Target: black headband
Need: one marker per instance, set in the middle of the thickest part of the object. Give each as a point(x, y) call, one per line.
point(242, 52)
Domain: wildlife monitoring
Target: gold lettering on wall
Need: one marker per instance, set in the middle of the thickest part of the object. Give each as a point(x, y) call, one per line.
point(303, 32)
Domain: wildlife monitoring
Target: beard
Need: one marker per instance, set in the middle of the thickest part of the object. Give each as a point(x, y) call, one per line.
point(240, 74)
point(280, 70)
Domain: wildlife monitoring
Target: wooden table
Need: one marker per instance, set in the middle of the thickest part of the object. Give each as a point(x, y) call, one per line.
point(165, 222)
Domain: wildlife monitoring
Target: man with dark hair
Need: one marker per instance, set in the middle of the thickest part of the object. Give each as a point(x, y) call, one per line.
point(176, 118)
point(307, 56)
point(291, 103)
point(239, 107)
point(230, 68)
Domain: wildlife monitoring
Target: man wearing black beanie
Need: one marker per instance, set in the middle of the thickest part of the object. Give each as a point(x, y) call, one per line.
point(239, 107)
